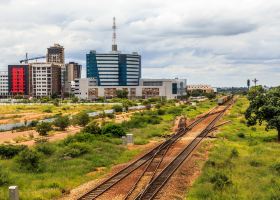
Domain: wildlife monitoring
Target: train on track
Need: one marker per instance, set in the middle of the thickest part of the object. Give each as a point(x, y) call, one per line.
point(222, 100)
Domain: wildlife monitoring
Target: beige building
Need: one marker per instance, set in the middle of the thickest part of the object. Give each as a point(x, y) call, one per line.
point(204, 88)
point(55, 54)
point(72, 71)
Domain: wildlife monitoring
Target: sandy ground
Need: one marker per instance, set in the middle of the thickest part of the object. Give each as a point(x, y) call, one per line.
point(21, 117)
point(29, 136)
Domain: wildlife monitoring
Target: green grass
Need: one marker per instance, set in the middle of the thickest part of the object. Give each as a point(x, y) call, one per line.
point(60, 173)
point(253, 174)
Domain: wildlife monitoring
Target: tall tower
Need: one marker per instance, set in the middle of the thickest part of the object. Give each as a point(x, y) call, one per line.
point(114, 43)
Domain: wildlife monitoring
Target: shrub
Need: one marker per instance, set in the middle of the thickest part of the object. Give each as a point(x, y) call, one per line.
point(220, 181)
point(276, 167)
point(81, 119)
point(75, 150)
point(174, 111)
point(161, 112)
point(241, 135)
point(9, 151)
point(234, 153)
point(255, 163)
point(29, 160)
point(62, 122)
point(33, 123)
point(47, 110)
point(46, 149)
point(117, 108)
point(43, 128)
point(114, 130)
point(110, 115)
point(92, 128)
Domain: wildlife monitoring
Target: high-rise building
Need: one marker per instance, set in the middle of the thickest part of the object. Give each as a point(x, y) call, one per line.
point(19, 78)
point(72, 71)
point(114, 68)
point(46, 79)
point(55, 54)
point(4, 86)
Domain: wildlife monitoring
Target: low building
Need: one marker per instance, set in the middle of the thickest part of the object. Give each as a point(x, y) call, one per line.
point(87, 88)
point(46, 79)
point(4, 85)
point(203, 88)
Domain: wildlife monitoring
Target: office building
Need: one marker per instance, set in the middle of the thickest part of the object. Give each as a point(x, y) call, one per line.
point(200, 87)
point(55, 54)
point(87, 88)
point(4, 86)
point(46, 79)
point(71, 72)
point(19, 77)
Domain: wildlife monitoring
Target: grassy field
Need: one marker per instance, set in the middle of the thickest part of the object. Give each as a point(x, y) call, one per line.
point(243, 164)
point(77, 159)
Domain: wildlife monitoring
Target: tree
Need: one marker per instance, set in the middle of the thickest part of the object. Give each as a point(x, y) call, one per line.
point(264, 106)
point(29, 160)
point(117, 108)
point(81, 119)
point(43, 128)
point(92, 128)
point(62, 122)
point(122, 94)
point(113, 129)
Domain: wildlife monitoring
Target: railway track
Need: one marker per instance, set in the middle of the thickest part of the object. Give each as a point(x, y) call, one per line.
point(153, 158)
point(158, 182)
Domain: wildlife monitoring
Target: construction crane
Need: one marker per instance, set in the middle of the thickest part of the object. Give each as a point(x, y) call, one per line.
point(34, 58)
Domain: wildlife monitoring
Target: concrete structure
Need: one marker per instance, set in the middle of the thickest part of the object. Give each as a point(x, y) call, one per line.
point(13, 193)
point(4, 85)
point(87, 88)
point(46, 79)
point(72, 72)
point(19, 78)
point(204, 88)
point(114, 69)
point(55, 54)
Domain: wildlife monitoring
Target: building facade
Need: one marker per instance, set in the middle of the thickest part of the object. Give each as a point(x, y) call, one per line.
point(72, 71)
point(46, 79)
point(114, 69)
point(4, 86)
point(55, 54)
point(88, 88)
point(201, 87)
point(19, 77)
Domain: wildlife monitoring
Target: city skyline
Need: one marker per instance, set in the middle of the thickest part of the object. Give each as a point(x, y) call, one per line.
point(218, 44)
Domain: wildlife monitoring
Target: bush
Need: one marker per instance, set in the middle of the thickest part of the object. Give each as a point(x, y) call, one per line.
point(43, 128)
point(45, 148)
point(81, 119)
point(276, 167)
point(234, 153)
point(48, 110)
point(161, 112)
point(114, 130)
point(117, 108)
point(75, 150)
point(62, 122)
point(174, 111)
point(241, 135)
point(33, 123)
point(29, 160)
point(220, 181)
point(255, 163)
point(9, 151)
point(92, 128)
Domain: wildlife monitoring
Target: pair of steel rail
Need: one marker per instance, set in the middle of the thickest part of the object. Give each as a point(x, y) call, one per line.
point(158, 152)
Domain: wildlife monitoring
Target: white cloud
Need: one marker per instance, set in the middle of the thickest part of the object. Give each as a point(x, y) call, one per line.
point(216, 41)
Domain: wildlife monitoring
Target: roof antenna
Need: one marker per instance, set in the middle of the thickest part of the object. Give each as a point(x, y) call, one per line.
point(114, 45)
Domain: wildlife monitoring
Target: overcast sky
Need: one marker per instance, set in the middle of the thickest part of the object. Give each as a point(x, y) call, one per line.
point(217, 42)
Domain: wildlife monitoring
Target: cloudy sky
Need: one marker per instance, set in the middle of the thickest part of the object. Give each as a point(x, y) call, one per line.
point(218, 42)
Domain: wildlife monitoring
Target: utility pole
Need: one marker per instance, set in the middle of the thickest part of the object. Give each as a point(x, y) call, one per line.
point(255, 81)
point(248, 84)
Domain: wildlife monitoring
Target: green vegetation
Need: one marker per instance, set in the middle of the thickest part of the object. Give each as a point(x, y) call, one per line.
point(264, 106)
point(81, 119)
point(43, 128)
point(243, 163)
point(62, 122)
point(49, 170)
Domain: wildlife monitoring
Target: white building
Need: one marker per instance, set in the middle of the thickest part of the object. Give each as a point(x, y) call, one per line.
point(4, 85)
point(87, 88)
point(46, 79)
